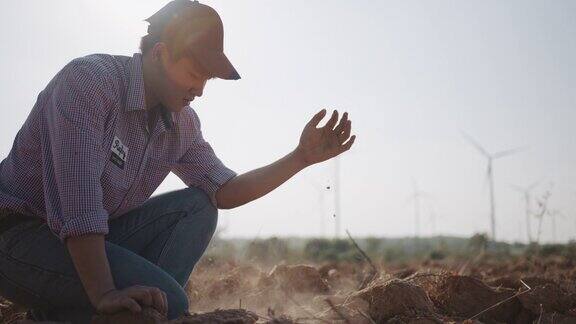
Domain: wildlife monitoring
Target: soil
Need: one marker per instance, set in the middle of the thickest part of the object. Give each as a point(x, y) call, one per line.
point(482, 291)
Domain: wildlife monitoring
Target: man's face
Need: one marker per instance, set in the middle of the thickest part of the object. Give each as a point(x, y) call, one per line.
point(180, 82)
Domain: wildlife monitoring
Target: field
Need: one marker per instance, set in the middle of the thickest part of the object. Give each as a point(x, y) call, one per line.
point(277, 281)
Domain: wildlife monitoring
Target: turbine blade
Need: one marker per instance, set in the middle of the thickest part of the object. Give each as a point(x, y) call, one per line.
point(534, 185)
point(509, 152)
point(474, 143)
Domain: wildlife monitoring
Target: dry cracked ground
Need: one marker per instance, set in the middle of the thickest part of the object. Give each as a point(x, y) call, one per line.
point(479, 291)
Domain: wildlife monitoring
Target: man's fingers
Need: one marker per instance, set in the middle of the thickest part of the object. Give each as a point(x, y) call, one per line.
point(132, 305)
point(143, 295)
point(332, 121)
point(346, 132)
point(317, 118)
point(158, 301)
point(340, 127)
point(165, 299)
point(348, 144)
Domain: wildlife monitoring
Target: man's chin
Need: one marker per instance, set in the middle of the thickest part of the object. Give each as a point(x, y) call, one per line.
point(176, 108)
point(183, 104)
point(186, 103)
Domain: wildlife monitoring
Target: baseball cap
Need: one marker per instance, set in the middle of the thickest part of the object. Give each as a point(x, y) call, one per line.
point(197, 30)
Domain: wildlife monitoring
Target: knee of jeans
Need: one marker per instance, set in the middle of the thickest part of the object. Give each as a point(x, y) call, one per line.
point(199, 201)
point(177, 303)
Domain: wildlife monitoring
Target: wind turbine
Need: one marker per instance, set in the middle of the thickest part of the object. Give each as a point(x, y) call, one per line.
point(433, 219)
point(542, 203)
point(337, 214)
point(416, 197)
point(320, 191)
point(527, 195)
point(337, 200)
point(553, 213)
point(490, 176)
point(575, 223)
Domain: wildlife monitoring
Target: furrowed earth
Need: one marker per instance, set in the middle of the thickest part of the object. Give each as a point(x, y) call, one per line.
point(483, 290)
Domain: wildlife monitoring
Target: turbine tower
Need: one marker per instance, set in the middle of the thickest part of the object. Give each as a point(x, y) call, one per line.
point(416, 197)
point(433, 221)
point(527, 196)
point(337, 213)
point(320, 189)
point(490, 176)
point(553, 214)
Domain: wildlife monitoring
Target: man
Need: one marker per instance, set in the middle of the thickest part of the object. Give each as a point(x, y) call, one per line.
point(79, 233)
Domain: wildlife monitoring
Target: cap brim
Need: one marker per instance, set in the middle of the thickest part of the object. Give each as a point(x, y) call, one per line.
point(217, 64)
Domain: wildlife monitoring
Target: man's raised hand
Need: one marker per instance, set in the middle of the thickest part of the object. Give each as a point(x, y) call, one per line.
point(319, 144)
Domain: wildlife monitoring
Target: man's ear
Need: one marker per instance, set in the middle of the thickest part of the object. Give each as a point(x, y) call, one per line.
point(159, 53)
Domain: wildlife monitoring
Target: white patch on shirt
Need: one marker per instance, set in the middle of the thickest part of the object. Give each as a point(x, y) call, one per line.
point(119, 153)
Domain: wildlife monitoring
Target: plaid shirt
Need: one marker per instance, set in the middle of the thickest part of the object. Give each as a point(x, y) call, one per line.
point(85, 155)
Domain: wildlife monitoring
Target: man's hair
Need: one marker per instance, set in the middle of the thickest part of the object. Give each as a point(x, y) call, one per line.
point(174, 45)
point(147, 42)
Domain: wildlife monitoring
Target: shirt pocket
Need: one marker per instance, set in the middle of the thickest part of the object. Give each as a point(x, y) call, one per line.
point(115, 184)
point(115, 175)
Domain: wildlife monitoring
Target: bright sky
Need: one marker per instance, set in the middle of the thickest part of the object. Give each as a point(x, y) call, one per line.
point(412, 75)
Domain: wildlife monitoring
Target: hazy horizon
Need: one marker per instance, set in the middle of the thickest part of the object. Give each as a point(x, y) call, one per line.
point(413, 75)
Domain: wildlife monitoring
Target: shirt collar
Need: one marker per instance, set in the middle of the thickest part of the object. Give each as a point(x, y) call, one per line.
point(136, 94)
point(167, 118)
point(135, 97)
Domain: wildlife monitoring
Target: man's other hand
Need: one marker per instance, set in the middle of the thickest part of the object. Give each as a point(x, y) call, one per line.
point(323, 143)
point(133, 298)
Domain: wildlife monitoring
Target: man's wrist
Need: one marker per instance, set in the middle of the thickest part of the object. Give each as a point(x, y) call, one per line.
point(100, 296)
point(299, 158)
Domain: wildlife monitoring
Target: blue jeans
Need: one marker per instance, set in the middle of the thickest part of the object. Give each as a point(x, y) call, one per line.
point(155, 245)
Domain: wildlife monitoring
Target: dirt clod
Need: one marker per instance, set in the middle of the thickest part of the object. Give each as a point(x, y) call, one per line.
point(548, 297)
point(387, 299)
point(227, 316)
point(299, 278)
point(148, 315)
point(151, 316)
point(407, 292)
point(465, 296)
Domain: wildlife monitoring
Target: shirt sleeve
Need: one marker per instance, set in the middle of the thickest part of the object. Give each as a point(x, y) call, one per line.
point(200, 167)
point(72, 152)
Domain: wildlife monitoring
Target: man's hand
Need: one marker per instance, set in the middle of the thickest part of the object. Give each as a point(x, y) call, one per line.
point(91, 262)
point(320, 144)
point(316, 145)
point(133, 298)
